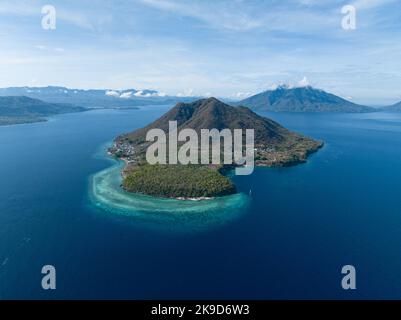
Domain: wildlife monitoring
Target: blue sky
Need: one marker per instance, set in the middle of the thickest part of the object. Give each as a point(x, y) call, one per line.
point(226, 48)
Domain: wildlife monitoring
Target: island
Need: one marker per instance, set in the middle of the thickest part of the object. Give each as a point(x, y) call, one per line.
point(22, 109)
point(275, 146)
point(393, 108)
point(305, 99)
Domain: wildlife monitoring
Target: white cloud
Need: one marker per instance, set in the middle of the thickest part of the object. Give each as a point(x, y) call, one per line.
point(17, 8)
point(139, 93)
point(126, 95)
point(142, 94)
point(46, 48)
point(188, 93)
point(130, 94)
point(112, 93)
point(219, 15)
point(274, 86)
point(303, 83)
point(40, 47)
point(241, 95)
point(370, 4)
point(74, 17)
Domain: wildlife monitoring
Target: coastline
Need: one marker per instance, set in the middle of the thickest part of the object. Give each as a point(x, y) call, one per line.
point(300, 159)
point(127, 162)
point(22, 122)
point(292, 163)
point(105, 196)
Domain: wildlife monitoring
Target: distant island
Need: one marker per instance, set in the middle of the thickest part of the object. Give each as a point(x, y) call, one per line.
point(274, 146)
point(21, 109)
point(301, 99)
point(393, 108)
point(284, 98)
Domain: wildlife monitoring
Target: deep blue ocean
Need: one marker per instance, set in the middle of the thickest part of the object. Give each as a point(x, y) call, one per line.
point(301, 225)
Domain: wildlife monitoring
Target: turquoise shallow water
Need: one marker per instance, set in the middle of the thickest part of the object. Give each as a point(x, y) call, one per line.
point(179, 215)
point(288, 240)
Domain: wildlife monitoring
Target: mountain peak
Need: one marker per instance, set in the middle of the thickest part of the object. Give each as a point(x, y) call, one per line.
point(276, 144)
point(291, 87)
point(212, 100)
point(301, 99)
point(304, 83)
point(212, 113)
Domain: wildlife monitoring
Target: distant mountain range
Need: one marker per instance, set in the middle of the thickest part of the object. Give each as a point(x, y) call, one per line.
point(282, 99)
point(21, 109)
point(94, 98)
point(301, 99)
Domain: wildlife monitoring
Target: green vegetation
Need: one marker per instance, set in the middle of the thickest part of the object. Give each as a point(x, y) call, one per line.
point(173, 181)
point(275, 146)
point(20, 109)
point(292, 152)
